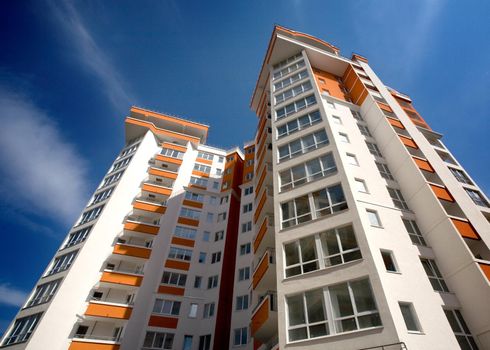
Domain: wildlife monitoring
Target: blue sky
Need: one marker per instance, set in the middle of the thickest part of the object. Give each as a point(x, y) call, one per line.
point(70, 70)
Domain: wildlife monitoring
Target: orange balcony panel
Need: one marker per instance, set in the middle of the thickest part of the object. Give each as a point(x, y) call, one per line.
point(163, 173)
point(423, 164)
point(139, 252)
point(171, 290)
point(260, 316)
point(257, 344)
point(166, 159)
point(261, 179)
point(157, 189)
point(385, 107)
point(395, 122)
point(187, 221)
point(260, 206)
point(486, 269)
point(163, 322)
point(441, 192)
point(465, 229)
point(190, 203)
point(204, 161)
point(134, 226)
point(200, 173)
point(183, 241)
point(111, 311)
point(121, 278)
point(196, 186)
point(177, 264)
point(261, 270)
point(407, 141)
point(159, 131)
point(85, 345)
point(174, 146)
point(149, 207)
point(260, 234)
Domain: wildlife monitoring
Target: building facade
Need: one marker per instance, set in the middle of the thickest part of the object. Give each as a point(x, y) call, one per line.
point(345, 224)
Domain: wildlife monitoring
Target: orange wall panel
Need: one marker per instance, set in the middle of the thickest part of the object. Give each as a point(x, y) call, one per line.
point(163, 321)
point(168, 159)
point(187, 221)
point(486, 269)
point(395, 122)
point(385, 107)
point(78, 345)
point(442, 193)
point(138, 252)
point(159, 131)
point(261, 270)
point(174, 146)
point(196, 186)
point(260, 206)
point(110, 311)
point(465, 229)
point(121, 278)
point(157, 189)
point(204, 161)
point(163, 173)
point(190, 203)
point(260, 234)
point(260, 317)
point(408, 141)
point(330, 82)
point(200, 173)
point(171, 290)
point(149, 207)
point(183, 241)
point(133, 226)
point(177, 264)
point(423, 164)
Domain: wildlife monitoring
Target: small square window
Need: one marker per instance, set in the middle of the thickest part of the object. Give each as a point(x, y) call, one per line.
point(221, 159)
point(193, 311)
point(218, 236)
point(215, 185)
point(210, 217)
point(389, 261)
point(213, 200)
point(202, 257)
point(361, 186)
point(409, 317)
point(197, 281)
point(205, 236)
point(373, 218)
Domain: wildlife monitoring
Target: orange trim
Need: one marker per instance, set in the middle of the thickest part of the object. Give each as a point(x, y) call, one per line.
point(133, 226)
point(190, 203)
point(200, 173)
point(486, 269)
point(111, 311)
point(121, 278)
point(260, 206)
point(260, 317)
point(166, 159)
point(177, 264)
point(187, 221)
point(407, 141)
point(205, 161)
point(260, 270)
point(163, 322)
point(465, 228)
point(174, 146)
point(307, 36)
point(196, 186)
point(169, 118)
point(154, 208)
point(79, 345)
point(183, 241)
point(157, 189)
point(159, 131)
point(423, 164)
point(384, 106)
point(261, 179)
point(171, 290)
point(441, 192)
point(359, 58)
point(138, 252)
point(260, 234)
point(163, 173)
point(395, 122)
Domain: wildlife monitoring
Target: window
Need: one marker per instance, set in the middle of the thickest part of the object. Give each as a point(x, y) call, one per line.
point(336, 120)
point(197, 282)
point(361, 186)
point(325, 202)
point(409, 317)
point(477, 197)
point(221, 217)
point(193, 310)
point(352, 160)
point(356, 115)
point(174, 278)
point(373, 218)
point(22, 329)
point(166, 307)
point(295, 91)
point(221, 159)
point(180, 254)
point(199, 181)
point(187, 342)
point(77, 237)
point(247, 207)
point(295, 106)
point(218, 236)
point(460, 176)
point(289, 69)
point(185, 232)
point(219, 171)
point(208, 310)
point(44, 293)
point(90, 215)
point(249, 162)
point(112, 179)
point(290, 80)
point(205, 342)
point(121, 164)
point(194, 196)
point(247, 226)
point(190, 213)
point(306, 172)
point(128, 150)
point(202, 258)
point(384, 171)
point(397, 198)
point(62, 263)
point(389, 261)
point(351, 305)
point(101, 196)
point(364, 130)
point(204, 155)
point(461, 330)
point(242, 302)
point(213, 200)
point(172, 153)
point(249, 176)
point(338, 246)
point(216, 185)
point(373, 149)
point(249, 190)
point(215, 257)
point(202, 168)
point(212, 282)
point(223, 200)
point(245, 249)
point(298, 124)
point(240, 336)
point(434, 275)
point(343, 137)
point(158, 340)
point(209, 217)
point(244, 274)
point(205, 236)
point(414, 232)
point(302, 145)
point(250, 150)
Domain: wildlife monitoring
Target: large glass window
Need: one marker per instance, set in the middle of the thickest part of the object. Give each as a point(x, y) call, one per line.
point(414, 232)
point(194, 196)
point(296, 211)
point(295, 106)
point(295, 91)
point(205, 155)
point(329, 201)
point(158, 340)
point(172, 153)
point(22, 329)
point(180, 254)
point(166, 307)
point(477, 197)
point(302, 145)
point(190, 213)
point(435, 276)
point(199, 181)
point(384, 171)
point(307, 172)
point(339, 246)
point(290, 80)
point(203, 168)
point(91, 215)
point(397, 198)
point(77, 236)
point(62, 262)
point(301, 256)
point(285, 71)
point(185, 232)
point(373, 149)
point(461, 330)
point(44, 293)
point(298, 124)
point(174, 278)
point(240, 336)
point(460, 176)
point(409, 317)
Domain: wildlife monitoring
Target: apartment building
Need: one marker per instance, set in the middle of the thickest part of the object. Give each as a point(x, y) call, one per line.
point(344, 224)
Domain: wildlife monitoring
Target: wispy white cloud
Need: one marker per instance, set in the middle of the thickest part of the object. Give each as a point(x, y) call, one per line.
point(41, 173)
point(91, 56)
point(11, 296)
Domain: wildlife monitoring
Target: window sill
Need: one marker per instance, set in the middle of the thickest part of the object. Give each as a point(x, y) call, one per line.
point(365, 330)
point(416, 332)
point(322, 271)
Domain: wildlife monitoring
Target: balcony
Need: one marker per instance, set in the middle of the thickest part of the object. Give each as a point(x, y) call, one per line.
point(122, 276)
point(156, 188)
point(166, 174)
point(265, 235)
point(264, 276)
point(108, 310)
point(147, 206)
point(441, 192)
point(142, 224)
point(264, 318)
point(264, 205)
point(135, 250)
point(97, 335)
